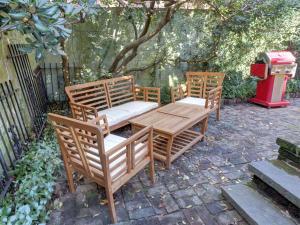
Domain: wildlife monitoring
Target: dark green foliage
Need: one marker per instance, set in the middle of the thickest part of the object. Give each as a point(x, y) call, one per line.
point(33, 185)
point(293, 86)
point(225, 37)
point(45, 23)
point(235, 86)
point(165, 95)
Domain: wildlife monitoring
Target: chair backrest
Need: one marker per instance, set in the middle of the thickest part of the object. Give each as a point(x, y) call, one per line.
point(200, 83)
point(120, 90)
point(81, 144)
point(92, 94)
point(82, 112)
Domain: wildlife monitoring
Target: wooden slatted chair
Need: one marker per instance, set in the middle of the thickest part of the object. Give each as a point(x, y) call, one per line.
point(109, 160)
point(118, 98)
point(202, 88)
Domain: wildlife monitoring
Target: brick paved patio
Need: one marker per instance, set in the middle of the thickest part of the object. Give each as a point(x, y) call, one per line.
point(189, 193)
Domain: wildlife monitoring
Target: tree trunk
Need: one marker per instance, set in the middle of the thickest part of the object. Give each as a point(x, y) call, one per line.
point(129, 52)
point(65, 65)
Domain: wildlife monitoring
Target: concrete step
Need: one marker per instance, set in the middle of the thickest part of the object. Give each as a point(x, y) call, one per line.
point(278, 174)
point(292, 144)
point(254, 207)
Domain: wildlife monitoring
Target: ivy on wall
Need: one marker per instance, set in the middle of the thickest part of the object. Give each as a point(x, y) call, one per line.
point(225, 37)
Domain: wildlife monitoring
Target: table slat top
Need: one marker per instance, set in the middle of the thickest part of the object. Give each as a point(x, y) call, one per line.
point(172, 118)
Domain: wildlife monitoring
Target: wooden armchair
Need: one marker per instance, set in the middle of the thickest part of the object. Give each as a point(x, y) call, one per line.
point(109, 160)
point(202, 88)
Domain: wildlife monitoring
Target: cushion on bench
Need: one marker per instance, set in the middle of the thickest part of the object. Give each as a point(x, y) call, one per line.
point(127, 110)
point(193, 100)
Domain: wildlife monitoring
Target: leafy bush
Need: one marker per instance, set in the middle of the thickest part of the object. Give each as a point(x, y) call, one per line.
point(165, 95)
point(33, 186)
point(293, 86)
point(235, 86)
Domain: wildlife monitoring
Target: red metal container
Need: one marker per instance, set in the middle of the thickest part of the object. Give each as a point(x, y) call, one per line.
point(274, 69)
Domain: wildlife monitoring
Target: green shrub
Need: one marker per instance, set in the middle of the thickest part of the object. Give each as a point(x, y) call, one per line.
point(165, 95)
point(293, 86)
point(33, 184)
point(235, 86)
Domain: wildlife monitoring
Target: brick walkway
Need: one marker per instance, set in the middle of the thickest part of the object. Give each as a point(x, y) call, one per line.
point(189, 193)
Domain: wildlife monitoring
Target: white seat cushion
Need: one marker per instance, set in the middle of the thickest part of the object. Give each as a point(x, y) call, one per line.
point(193, 100)
point(111, 141)
point(127, 110)
point(114, 116)
point(137, 107)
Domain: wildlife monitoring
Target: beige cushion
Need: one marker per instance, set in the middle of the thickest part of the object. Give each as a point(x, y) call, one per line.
point(127, 110)
point(114, 116)
point(111, 141)
point(193, 100)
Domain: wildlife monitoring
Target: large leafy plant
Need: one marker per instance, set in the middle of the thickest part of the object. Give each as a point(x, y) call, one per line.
point(45, 23)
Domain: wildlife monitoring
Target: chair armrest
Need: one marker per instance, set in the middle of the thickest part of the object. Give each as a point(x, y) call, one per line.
point(130, 147)
point(83, 112)
point(177, 93)
point(213, 98)
point(148, 94)
point(102, 122)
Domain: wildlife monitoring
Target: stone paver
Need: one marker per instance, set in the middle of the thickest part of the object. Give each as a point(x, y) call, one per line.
point(190, 191)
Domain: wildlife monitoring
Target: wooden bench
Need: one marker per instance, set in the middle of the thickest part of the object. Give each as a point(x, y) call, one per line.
point(202, 88)
point(118, 98)
point(109, 160)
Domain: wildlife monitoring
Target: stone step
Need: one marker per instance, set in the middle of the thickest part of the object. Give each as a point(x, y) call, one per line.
point(289, 150)
point(286, 154)
point(254, 207)
point(291, 145)
point(278, 174)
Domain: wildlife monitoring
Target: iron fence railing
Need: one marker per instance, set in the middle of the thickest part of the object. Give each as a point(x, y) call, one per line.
point(32, 87)
point(14, 134)
point(52, 74)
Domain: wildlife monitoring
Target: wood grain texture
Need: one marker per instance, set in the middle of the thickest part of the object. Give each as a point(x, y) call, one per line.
point(207, 85)
point(172, 127)
point(86, 100)
point(83, 151)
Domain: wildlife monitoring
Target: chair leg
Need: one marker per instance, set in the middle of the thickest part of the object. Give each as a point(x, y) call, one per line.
point(111, 205)
point(70, 179)
point(218, 114)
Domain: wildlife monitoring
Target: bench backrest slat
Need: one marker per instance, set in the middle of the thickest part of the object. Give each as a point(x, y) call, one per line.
point(120, 90)
point(92, 94)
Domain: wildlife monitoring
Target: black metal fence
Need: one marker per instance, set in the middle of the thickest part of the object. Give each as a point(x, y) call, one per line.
point(14, 134)
point(52, 74)
point(32, 87)
point(37, 88)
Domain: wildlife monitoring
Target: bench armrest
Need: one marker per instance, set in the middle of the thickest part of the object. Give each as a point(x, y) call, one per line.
point(148, 94)
point(177, 93)
point(213, 98)
point(83, 112)
point(130, 147)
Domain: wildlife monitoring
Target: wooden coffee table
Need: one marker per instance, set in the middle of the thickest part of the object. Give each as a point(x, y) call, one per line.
point(172, 125)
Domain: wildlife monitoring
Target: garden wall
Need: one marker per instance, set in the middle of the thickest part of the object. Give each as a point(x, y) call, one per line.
point(193, 40)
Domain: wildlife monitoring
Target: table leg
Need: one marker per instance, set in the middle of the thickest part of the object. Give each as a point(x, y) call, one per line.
point(169, 147)
point(204, 125)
